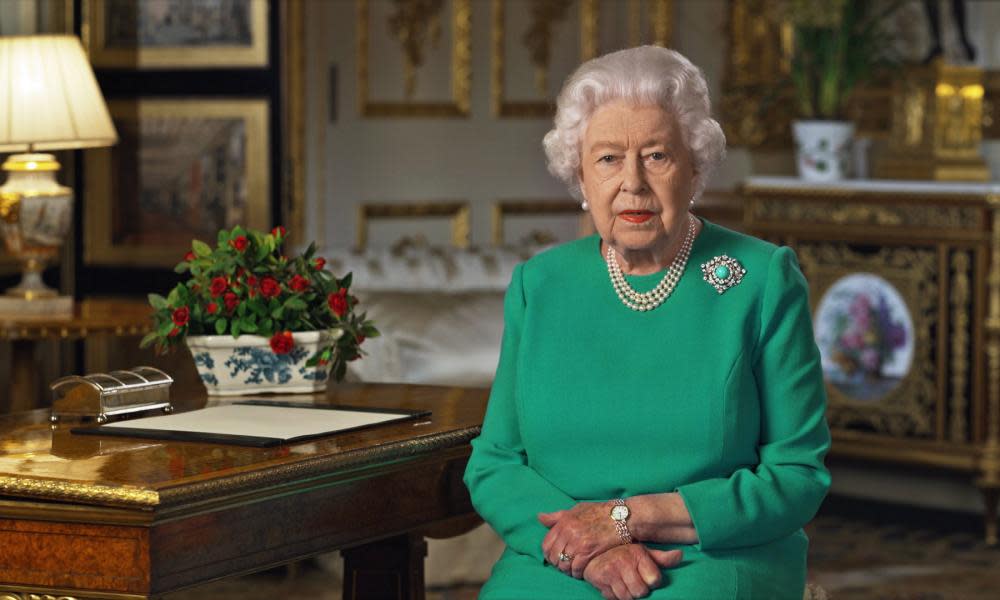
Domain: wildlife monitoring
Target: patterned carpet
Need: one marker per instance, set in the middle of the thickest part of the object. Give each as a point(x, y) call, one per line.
point(859, 551)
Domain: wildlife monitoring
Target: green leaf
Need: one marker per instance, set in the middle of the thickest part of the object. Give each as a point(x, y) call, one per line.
point(296, 303)
point(165, 328)
point(157, 301)
point(220, 326)
point(200, 248)
point(278, 313)
point(237, 329)
point(248, 326)
point(346, 281)
point(223, 238)
point(148, 339)
point(182, 267)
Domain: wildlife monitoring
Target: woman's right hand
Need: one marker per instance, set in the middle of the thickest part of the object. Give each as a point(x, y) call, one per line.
point(629, 571)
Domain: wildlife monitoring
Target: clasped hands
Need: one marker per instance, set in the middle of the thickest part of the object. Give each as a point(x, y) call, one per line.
point(586, 536)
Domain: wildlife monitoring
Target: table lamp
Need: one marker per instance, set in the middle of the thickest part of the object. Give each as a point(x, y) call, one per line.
point(49, 100)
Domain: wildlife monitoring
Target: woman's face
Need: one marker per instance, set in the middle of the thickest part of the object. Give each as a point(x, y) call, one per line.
point(637, 176)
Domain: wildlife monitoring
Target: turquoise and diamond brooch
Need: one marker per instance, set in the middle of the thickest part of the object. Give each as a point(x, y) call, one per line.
point(723, 272)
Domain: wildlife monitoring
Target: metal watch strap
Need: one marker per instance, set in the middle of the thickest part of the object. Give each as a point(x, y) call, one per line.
point(622, 526)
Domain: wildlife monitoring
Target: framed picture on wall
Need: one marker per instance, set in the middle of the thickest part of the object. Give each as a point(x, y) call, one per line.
point(182, 169)
point(170, 34)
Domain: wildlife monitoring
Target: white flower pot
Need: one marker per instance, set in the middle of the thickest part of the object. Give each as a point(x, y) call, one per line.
point(246, 364)
point(823, 149)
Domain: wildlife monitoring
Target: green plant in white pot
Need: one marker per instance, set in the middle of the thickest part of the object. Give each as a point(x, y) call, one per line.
point(837, 44)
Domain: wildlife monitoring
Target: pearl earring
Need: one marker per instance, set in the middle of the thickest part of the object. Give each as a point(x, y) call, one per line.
point(692, 201)
point(585, 205)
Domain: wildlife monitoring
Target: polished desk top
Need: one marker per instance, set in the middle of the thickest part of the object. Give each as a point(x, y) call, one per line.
point(123, 316)
point(38, 462)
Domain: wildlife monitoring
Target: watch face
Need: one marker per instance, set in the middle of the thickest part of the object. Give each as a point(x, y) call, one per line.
point(619, 513)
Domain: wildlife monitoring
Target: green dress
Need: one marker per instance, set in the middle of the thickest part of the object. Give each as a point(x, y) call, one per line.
point(717, 396)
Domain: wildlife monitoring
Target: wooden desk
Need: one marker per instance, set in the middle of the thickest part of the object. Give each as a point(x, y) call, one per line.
point(116, 518)
point(90, 317)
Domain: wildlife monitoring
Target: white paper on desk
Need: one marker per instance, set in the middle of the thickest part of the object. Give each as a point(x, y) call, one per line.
point(280, 422)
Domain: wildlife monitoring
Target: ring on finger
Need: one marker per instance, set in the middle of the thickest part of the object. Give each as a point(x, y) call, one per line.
point(563, 557)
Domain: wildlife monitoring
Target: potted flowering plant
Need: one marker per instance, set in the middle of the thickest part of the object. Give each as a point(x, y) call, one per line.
point(257, 320)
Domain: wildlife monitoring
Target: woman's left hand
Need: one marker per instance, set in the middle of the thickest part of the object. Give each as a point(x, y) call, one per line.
point(582, 532)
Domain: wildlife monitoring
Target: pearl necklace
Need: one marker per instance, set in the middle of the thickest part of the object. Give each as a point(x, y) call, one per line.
point(653, 298)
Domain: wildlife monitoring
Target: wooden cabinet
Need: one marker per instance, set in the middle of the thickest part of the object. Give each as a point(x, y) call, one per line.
point(904, 284)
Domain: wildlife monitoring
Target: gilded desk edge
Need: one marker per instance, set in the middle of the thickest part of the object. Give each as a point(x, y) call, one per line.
point(145, 498)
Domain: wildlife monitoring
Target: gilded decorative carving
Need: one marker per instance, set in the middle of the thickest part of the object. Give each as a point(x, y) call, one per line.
point(545, 14)
point(458, 212)
point(910, 407)
point(936, 125)
point(414, 25)
point(16, 593)
point(660, 16)
point(961, 294)
point(841, 212)
point(88, 493)
point(989, 479)
point(538, 37)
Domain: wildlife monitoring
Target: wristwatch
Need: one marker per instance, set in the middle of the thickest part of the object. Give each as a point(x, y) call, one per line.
point(620, 514)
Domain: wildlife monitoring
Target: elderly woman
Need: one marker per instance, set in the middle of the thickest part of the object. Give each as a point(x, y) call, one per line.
point(656, 426)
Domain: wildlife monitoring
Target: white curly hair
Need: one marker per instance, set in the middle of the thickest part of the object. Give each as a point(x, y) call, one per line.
point(646, 75)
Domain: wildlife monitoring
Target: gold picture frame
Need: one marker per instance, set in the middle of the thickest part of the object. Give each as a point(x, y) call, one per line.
point(458, 212)
point(501, 105)
point(650, 22)
point(112, 30)
point(405, 21)
point(182, 169)
point(502, 209)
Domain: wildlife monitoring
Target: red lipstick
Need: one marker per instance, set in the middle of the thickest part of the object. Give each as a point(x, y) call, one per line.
point(636, 216)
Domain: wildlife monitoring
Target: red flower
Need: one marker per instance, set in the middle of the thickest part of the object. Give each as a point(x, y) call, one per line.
point(239, 242)
point(212, 308)
point(319, 263)
point(282, 342)
point(270, 287)
point(181, 316)
point(218, 286)
point(189, 256)
point(231, 301)
point(338, 302)
point(174, 332)
point(279, 232)
point(251, 281)
point(299, 283)
point(360, 338)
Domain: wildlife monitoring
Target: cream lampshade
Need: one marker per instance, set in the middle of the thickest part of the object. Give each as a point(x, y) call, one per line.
point(49, 100)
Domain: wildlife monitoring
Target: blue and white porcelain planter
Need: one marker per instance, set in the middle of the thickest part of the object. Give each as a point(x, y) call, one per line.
point(246, 364)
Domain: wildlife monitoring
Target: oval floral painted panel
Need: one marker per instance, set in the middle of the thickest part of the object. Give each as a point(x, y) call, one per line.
point(865, 336)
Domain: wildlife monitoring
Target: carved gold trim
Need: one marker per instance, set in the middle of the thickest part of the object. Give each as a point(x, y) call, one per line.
point(961, 265)
point(989, 479)
point(461, 71)
point(89, 493)
point(589, 23)
point(27, 592)
point(857, 212)
point(910, 407)
point(189, 56)
point(505, 208)
point(457, 211)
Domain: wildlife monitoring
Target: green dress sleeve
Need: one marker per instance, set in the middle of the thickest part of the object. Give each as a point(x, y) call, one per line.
point(764, 502)
point(505, 490)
